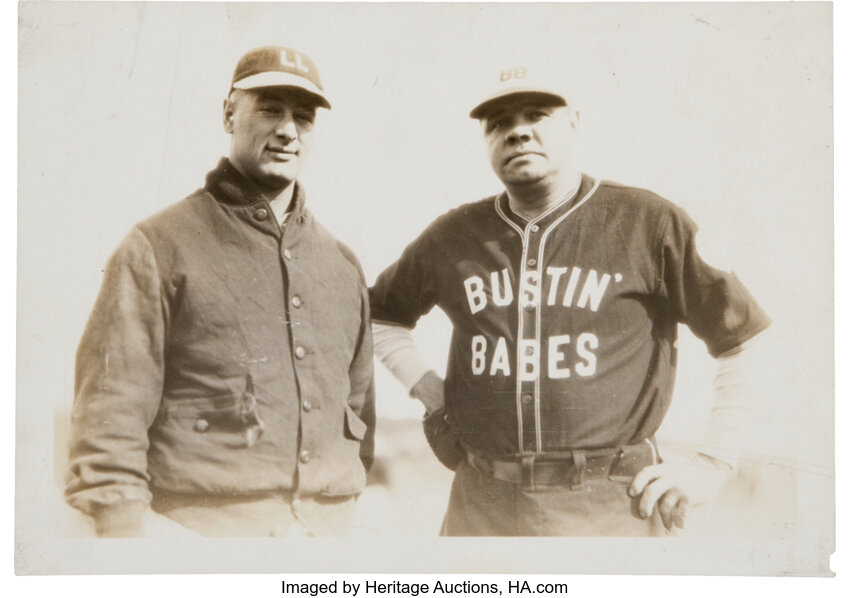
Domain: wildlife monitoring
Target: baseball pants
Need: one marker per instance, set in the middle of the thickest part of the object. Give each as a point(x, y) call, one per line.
point(480, 505)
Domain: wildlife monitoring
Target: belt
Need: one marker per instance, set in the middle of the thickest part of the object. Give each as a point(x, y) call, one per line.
point(573, 467)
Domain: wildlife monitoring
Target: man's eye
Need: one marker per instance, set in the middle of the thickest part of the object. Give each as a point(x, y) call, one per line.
point(306, 117)
point(495, 125)
point(269, 109)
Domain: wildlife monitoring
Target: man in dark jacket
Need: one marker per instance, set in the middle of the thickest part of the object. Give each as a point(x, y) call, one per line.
point(225, 375)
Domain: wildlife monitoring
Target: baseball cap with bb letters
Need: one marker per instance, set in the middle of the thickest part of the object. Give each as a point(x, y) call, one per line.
point(519, 80)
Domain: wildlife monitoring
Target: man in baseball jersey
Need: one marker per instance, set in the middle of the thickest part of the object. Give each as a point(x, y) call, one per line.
point(564, 293)
point(225, 375)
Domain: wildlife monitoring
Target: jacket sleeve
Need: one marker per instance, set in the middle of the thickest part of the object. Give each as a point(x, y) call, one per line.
point(361, 372)
point(118, 388)
point(362, 376)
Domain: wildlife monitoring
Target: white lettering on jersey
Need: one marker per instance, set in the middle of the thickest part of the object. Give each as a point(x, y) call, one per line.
point(586, 341)
point(530, 289)
point(556, 355)
point(571, 287)
point(593, 290)
point(474, 286)
point(583, 290)
point(559, 359)
point(529, 350)
point(479, 357)
point(555, 277)
point(505, 295)
point(501, 361)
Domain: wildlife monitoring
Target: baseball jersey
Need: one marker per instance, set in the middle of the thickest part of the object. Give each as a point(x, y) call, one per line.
point(564, 326)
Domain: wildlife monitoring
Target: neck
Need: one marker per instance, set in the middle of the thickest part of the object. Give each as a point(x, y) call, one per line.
point(530, 201)
point(282, 196)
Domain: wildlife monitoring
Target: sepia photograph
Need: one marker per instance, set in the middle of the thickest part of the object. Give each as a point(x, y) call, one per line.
point(533, 288)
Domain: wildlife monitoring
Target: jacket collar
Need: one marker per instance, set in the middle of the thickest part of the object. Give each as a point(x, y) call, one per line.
point(228, 186)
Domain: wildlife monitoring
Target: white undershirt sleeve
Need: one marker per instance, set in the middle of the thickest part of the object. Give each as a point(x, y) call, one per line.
point(396, 349)
point(738, 388)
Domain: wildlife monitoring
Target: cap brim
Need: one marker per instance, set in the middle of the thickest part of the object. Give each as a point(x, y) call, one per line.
point(280, 79)
point(496, 98)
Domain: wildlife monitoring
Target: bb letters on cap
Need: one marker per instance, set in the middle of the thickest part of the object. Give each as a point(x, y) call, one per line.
point(284, 61)
point(515, 73)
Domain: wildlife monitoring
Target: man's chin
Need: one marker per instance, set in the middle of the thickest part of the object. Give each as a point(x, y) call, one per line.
point(276, 180)
point(524, 178)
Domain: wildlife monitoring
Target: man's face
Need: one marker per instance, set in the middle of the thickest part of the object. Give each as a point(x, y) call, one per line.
point(529, 140)
point(271, 134)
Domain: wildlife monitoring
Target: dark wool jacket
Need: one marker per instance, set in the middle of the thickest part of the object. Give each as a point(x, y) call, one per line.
point(223, 356)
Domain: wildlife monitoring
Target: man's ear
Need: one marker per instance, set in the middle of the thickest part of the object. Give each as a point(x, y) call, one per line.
point(227, 111)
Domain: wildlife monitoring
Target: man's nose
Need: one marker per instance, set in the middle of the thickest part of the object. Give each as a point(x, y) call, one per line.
point(286, 128)
point(519, 134)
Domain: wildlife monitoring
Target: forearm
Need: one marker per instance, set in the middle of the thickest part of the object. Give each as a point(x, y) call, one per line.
point(397, 351)
point(741, 376)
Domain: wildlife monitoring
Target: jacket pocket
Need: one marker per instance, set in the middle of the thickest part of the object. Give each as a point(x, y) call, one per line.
point(234, 416)
point(354, 426)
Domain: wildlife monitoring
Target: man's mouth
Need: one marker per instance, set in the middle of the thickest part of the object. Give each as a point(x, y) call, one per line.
point(521, 155)
point(282, 151)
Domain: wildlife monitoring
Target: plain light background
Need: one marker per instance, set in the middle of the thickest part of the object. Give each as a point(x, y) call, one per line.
point(724, 109)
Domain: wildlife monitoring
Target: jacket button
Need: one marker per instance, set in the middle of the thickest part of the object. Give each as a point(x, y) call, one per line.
point(300, 352)
point(287, 254)
point(307, 406)
point(261, 214)
point(296, 301)
point(531, 262)
point(201, 426)
point(527, 399)
point(304, 457)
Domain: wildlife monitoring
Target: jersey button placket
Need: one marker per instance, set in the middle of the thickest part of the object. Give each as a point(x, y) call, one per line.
point(531, 345)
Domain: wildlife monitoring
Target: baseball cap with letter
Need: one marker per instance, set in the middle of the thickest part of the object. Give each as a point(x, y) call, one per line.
point(276, 66)
point(517, 80)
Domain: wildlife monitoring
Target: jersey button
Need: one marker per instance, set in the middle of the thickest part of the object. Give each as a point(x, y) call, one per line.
point(529, 350)
point(527, 399)
point(261, 214)
point(529, 307)
point(296, 301)
point(534, 228)
point(300, 352)
point(531, 262)
point(287, 254)
point(201, 426)
point(307, 406)
point(304, 457)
